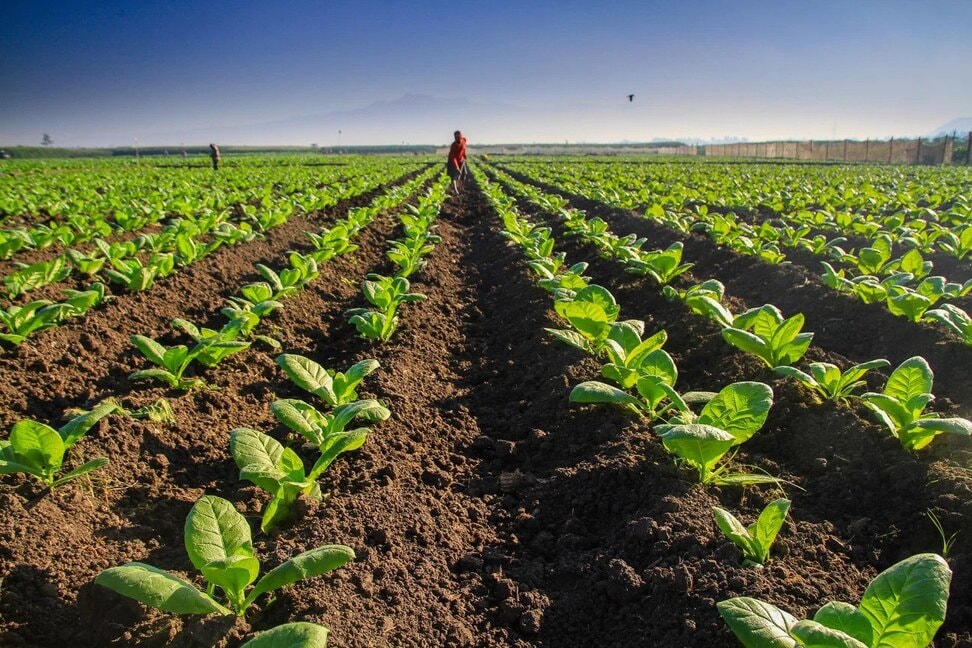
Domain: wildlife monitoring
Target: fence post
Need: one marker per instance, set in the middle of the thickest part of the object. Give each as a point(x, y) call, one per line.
point(845, 150)
point(918, 153)
point(867, 150)
point(968, 150)
point(891, 151)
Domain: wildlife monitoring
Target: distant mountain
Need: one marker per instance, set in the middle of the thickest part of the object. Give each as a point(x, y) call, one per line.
point(411, 117)
point(961, 125)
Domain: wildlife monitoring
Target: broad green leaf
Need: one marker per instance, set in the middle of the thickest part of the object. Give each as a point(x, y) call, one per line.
point(159, 589)
point(733, 529)
point(593, 391)
point(300, 417)
point(149, 348)
point(912, 378)
point(306, 565)
point(812, 634)
point(906, 603)
point(700, 445)
point(233, 573)
point(757, 624)
point(740, 409)
point(748, 342)
point(215, 530)
point(291, 635)
point(252, 448)
point(787, 331)
point(572, 338)
point(846, 618)
point(308, 375)
point(37, 444)
point(768, 525)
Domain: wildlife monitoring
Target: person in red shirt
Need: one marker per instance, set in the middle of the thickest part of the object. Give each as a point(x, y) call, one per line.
point(456, 165)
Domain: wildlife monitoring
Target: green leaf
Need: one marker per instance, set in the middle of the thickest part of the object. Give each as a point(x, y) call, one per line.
point(906, 603)
point(748, 342)
point(768, 525)
point(253, 448)
point(757, 624)
point(700, 445)
point(913, 377)
point(733, 529)
point(159, 589)
point(740, 409)
point(150, 349)
point(83, 469)
point(300, 417)
point(812, 634)
point(593, 391)
point(38, 445)
point(306, 565)
point(846, 618)
point(79, 425)
point(291, 635)
point(215, 531)
point(308, 375)
point(232, 573)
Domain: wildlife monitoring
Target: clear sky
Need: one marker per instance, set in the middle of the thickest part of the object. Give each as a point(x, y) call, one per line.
point(106, 72)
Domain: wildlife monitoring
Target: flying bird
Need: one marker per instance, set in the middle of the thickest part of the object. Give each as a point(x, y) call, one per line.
point(630, 98)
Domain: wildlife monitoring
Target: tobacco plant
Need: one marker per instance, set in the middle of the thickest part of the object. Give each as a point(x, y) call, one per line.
point(764, 333)
point(756, 539)
point(829, 381)
point(901, 406)
point(730, 418)
point(38, 449)
point(333, 387)
point(902, 607)
point(217, 539)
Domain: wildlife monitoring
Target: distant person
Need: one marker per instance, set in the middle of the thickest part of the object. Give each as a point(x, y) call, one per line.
point(456, 166)
point(214, 153)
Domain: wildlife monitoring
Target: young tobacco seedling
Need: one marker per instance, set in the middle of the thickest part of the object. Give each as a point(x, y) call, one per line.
point(36, 275)
point(731, 417)
point(386, 294)
point(661, 265)
point(38, 449)
point(217, 539)
point(955, 319)
point(21, 321)
point(764, 333)
point(331, 386)
point(901, 406)
point(592, 312)
point(903, 607)
point(326, 431)
point(300, 634)
point(704, 299)
point(216, 344)
point(276, 469)
point(756, 539)
point(172, 362)
point(827, 379)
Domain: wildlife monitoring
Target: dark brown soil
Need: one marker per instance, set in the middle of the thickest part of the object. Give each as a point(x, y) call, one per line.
point(488, 511)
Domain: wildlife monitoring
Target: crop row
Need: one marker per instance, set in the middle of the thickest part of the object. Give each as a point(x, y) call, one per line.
point(702, 441)
point(903, 283)
point(217, 538)
point(181, 243)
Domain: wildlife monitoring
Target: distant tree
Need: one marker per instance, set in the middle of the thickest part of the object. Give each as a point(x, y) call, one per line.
point(314, 145)
point(46, 140)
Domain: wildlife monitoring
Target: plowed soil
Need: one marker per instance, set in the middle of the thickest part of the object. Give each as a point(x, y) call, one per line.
point(488, 511)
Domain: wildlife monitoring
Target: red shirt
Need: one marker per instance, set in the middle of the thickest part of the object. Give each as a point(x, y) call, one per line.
point(457, 153)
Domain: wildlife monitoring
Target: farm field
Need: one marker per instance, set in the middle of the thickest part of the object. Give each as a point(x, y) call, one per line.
point(518, 465)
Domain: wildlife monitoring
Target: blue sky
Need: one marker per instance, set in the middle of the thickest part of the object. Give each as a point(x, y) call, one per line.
point(108, 72)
